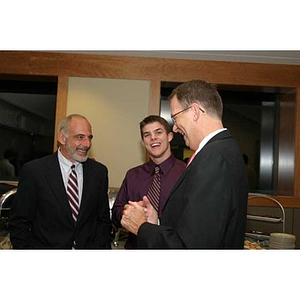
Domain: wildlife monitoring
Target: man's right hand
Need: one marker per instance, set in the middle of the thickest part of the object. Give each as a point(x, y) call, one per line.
point(151, 213)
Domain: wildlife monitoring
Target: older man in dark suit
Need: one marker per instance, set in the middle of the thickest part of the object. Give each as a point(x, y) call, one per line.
point(206, 209)
point(62, 200)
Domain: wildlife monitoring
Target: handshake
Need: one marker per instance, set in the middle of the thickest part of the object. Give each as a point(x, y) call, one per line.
point(137, 213)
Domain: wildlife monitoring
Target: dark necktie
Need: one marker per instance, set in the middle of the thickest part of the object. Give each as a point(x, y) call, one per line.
point(72, 191)
point(154, 189)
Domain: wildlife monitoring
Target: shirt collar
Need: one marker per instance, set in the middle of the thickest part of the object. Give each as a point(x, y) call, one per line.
point(64, 162)
point(165, 166)
point(209, 137)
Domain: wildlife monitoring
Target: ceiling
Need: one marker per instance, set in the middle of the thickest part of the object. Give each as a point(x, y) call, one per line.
point(273, 57)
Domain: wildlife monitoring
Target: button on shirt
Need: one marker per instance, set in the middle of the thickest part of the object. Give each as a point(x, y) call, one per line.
point(65, 167)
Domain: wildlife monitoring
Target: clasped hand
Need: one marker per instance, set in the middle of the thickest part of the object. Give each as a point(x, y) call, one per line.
point(137, 213)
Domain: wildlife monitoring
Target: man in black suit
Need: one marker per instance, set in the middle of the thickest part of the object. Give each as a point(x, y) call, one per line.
point(41, 215)
point(207, 207)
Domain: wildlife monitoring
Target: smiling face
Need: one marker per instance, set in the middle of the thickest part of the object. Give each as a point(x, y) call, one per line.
point(77, 140)
point(156, 140)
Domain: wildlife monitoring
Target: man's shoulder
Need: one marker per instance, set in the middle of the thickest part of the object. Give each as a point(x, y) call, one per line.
point(138, 169)
point(95, 164)
point(180, 163)
point(41, 160)
point(177, 165)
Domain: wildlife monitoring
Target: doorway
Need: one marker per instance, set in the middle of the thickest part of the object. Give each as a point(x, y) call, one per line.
point(254, 117)
point(27, 120)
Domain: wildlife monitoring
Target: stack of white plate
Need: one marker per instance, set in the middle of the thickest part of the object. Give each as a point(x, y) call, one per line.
point(282, 241)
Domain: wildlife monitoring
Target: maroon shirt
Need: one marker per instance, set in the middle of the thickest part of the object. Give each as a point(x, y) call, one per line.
point(136, 184)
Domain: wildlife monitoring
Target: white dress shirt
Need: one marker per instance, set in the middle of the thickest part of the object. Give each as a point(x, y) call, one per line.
point(209, 137)
point(65, 167)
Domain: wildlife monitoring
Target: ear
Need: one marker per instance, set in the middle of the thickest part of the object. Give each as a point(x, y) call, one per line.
point(61, 138)
point(196, 112)
point(170, 136)
point(143, 144)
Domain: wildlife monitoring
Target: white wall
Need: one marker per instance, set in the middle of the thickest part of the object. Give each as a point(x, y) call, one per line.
point(114, 108)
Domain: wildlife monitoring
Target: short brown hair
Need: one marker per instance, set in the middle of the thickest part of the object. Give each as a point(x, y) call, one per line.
point(200, 92)
point(154, 118)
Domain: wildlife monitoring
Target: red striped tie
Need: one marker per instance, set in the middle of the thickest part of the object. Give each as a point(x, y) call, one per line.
point(73, 196)
point(154, 189)
point(72, 191)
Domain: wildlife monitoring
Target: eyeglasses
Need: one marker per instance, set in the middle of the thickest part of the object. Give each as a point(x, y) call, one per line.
point(173, 117)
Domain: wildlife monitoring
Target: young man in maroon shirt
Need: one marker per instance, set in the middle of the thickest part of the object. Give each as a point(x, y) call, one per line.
point(156, 137)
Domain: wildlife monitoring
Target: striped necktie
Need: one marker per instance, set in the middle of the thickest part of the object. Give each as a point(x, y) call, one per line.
point(72, 191)
point(154, 189)
point(73, 196)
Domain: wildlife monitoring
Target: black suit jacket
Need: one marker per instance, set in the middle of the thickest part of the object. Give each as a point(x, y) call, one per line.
point(41, 216)
point(208, 205)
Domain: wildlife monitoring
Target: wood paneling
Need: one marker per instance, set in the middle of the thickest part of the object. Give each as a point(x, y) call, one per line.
point(286, 143)
point(297, 146)
point(177, 70)
point(154, 105)
point(285, 201)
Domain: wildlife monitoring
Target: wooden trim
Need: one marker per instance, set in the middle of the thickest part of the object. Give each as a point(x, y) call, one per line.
point(286, 202)
point(61, 103)
point(297, 146)
point(145, 68)
point(286, 143)
point(154, 103)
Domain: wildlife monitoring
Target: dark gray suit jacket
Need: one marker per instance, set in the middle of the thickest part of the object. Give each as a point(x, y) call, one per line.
point(208, 205)
point(41, 216)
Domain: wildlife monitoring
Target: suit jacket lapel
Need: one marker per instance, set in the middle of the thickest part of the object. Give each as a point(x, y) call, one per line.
point(55, 181)
point(87, 186)
point(221, 135)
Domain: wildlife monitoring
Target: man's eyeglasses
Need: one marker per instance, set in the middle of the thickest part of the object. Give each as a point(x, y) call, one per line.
point(173, 117)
